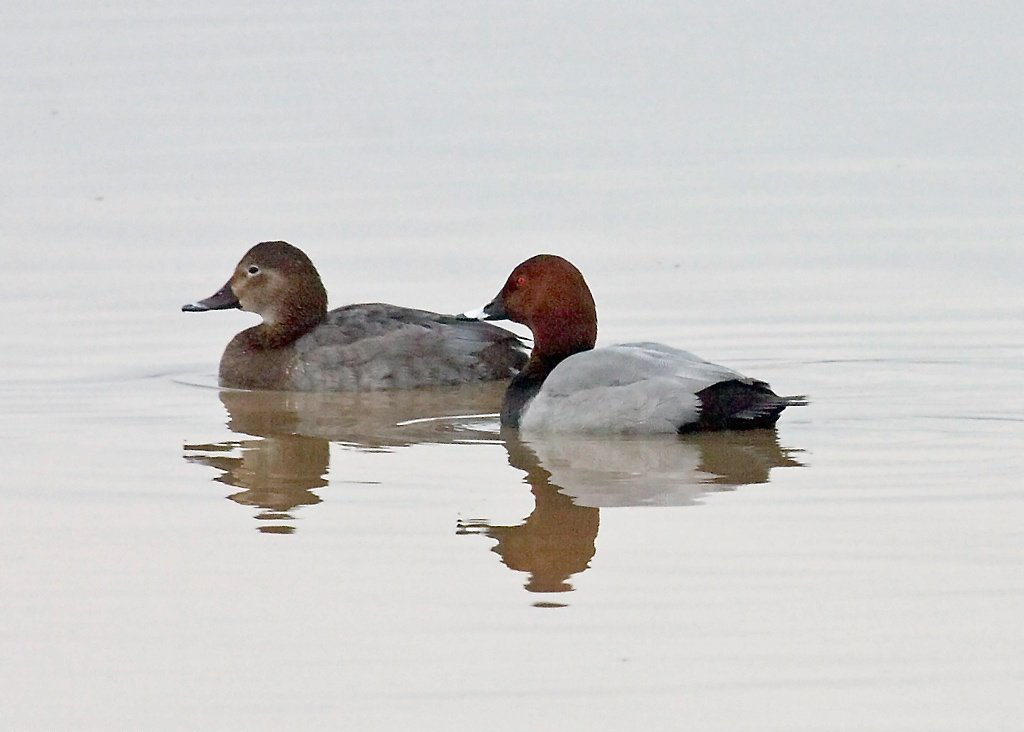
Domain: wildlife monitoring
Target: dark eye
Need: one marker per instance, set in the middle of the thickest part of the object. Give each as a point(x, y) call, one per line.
point(253, 270)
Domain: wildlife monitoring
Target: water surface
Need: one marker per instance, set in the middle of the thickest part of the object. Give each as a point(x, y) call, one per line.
point(825, 198)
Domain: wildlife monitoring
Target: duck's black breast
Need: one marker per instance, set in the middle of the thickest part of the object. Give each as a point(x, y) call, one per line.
point(523, 388)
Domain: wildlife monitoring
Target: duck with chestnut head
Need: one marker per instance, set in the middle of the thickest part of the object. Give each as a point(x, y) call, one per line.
point(568, 385)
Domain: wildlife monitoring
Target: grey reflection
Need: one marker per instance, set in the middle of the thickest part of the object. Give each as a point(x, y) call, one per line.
point(279, 470)
point(658, 470)
point(572, 476)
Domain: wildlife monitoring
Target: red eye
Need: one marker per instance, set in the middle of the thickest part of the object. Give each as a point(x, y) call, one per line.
point(520, 281)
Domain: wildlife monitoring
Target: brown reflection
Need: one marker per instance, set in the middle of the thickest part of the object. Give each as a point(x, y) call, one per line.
point(366, 420)
point(743, 458)
point(276, 474)
point(278, 471)
point(555, 541)
point(573, 476)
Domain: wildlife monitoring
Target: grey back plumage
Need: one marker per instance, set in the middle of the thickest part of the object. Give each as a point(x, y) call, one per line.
point(381, 346)
point(640, 388)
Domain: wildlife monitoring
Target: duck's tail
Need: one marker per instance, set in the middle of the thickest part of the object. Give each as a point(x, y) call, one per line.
point(736, 405)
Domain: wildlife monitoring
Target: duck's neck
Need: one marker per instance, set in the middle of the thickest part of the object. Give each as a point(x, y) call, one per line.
point(286, 326)
point(555, 338)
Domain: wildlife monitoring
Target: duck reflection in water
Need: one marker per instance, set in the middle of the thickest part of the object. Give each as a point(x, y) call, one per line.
point(555, 541)
point(290, 455)
point(573, 476)
point(276, 472)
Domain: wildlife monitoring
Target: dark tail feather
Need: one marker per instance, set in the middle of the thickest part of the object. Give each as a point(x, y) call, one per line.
point(735, 405)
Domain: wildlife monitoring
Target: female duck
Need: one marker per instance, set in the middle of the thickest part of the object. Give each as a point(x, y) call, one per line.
point(568, 386)
point(300, 346)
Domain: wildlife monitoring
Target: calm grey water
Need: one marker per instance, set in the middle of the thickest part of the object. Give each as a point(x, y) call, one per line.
point(827, 198)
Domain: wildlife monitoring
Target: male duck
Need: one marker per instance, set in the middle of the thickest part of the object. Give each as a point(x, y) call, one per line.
point(300, 346)
point(568, 386)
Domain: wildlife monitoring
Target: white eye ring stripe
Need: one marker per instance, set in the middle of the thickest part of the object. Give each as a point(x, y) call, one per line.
point(253, 269)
